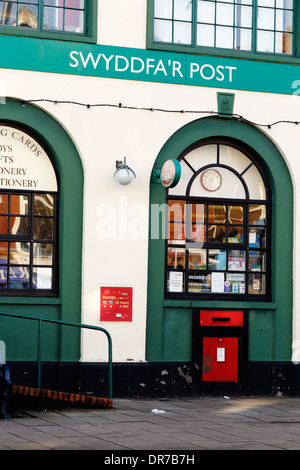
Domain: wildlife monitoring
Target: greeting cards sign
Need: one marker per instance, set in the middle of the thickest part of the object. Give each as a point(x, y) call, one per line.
point(116, 303)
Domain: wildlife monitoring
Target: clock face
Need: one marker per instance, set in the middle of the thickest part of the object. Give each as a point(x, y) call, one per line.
point(211, 180)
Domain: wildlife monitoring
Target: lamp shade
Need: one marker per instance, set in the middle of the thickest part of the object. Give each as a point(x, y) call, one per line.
point(123, 174)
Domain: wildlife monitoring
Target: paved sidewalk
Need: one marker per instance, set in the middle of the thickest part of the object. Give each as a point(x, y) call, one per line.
point(190, 424)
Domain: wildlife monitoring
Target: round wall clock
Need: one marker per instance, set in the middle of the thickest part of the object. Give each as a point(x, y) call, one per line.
point(211, 180)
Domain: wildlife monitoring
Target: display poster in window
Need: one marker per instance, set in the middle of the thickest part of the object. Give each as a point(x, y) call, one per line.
point(217, 282)
point(176, 281)
point(116, 304)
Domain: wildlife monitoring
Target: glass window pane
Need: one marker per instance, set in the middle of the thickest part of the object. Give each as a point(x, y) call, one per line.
point(217, 233)
point(216, 214)
point(198, 233)
point(28, 16)
point(43, 204)
point(18, 277)
point(284, 20)
point(42, 278)
point(197, 213)
point(3, 204)
point(163, 9)
point(3, 277)
point(235, 283)
point(235, 234)
point(182, 33)
point(43, 254)
point(19, 204)
point(176, 211)
point(183, 10)
point(197, 259)
point(235, 214)
point(284, 43)
point(3, 225)
point(8, 13)
point(19, 225)
point(3, 252)
point(284, 4)
point(205, 35)
point(257, 237)
point(265, 18)
point(199, 283)
point(265, 41)
point(74, 21)
point(19, 253)
point(224, 14)
point(75, 4)
point(176, 233)
point(257, 261)
point(206, 12)
point(243, 16)
point(176, 258)
point(163, 31)
point(224, 37)
point(266, 3)
point(236, 260)
point(243, 39)
point(53, 18)
point(257, 214)
point(217, 260)
point(54, 3)
point(42, 228)
point(257, 284)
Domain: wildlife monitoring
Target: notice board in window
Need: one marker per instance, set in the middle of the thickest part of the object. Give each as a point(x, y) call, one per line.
point(116, 304)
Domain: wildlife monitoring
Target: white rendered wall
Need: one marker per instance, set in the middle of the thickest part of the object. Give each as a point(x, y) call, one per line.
point(103, 135)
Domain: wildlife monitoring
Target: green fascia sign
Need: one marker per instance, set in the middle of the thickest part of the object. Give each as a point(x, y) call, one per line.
point(96, 60)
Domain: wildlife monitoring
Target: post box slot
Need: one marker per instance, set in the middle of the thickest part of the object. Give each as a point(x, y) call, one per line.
point(223, 319)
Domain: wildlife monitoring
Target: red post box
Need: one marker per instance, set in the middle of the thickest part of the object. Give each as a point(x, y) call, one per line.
point(220, 344)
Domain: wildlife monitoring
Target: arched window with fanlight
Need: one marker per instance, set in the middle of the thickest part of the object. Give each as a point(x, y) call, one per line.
point(218, 240)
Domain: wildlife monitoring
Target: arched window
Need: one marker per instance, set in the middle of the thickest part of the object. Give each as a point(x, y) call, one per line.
point(218, 243)
point(28, 216)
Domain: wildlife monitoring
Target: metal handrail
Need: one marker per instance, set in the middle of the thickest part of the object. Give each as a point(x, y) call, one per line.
point(61, 322)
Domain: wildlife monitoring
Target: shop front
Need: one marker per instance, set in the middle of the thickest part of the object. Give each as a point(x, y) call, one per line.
point(41, 228)
point(220, 271)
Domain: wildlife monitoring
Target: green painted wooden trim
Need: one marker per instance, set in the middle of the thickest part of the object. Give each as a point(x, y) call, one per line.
point(281, 186)
point(68, 164)
point(90, 36)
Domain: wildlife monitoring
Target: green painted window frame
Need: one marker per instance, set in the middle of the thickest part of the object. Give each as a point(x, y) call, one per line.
point(278, 57)
point(89, 35)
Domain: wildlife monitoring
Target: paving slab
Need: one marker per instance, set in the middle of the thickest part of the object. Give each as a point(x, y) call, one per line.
point(184, 426)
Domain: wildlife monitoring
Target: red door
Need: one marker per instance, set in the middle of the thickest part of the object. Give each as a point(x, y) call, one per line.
point(220, 359)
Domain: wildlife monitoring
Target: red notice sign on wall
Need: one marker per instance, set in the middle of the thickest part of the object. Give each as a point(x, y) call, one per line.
point(116, 303)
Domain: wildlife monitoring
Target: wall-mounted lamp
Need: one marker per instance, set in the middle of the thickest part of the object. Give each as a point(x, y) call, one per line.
point(123, 174)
